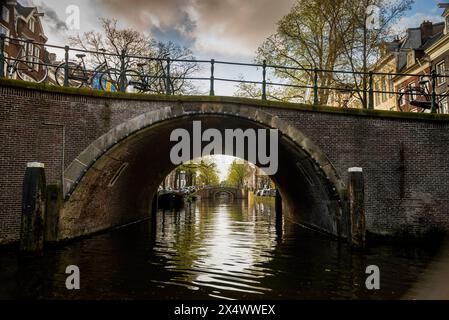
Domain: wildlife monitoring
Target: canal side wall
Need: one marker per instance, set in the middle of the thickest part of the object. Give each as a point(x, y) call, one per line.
point(404, 156)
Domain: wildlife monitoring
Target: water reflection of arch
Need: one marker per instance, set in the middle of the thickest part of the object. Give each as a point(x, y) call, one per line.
point(205, 238)
point(217, 194)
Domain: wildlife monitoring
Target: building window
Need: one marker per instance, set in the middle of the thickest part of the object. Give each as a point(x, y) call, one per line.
point(384, 89)
point(5, 14)
point(37, 53)
point(5, 66)
point(390, 85)
point(402, 95)
point(4, 30)
point(443, 105)
point(412, 92)
point(31, 24)
point(377, 95)
point(410, 58)
point(441, 71)
point(424, 84)
point(29, 52)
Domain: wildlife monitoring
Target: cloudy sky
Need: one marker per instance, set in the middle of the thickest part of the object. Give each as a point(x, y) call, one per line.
point(223, 29)
point(211, 28)
point(422, 10)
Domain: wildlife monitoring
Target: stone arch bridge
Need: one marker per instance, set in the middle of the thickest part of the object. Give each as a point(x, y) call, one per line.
point(111, 151)
point(213, 191)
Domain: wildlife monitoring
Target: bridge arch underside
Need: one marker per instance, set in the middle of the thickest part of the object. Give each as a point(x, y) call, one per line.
point(227, 193)
point(118, 188)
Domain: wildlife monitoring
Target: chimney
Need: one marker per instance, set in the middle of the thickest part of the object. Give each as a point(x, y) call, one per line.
point(426, 30)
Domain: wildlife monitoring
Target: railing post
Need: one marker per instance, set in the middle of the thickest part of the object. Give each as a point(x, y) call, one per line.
point(264, 80)
point(212, 70)
point(122, 71)
point(371, 92)
point(66, 66)
point(315, 86)
point(434, 94)
point(167, 85)
point(2, 55)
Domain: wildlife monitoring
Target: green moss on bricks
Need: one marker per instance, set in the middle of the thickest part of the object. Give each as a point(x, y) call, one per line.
point(224, 100)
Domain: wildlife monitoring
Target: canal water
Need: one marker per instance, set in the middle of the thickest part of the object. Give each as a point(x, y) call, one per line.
point(220, 249)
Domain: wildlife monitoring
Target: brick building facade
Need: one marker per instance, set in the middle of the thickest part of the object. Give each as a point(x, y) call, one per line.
point(406, 57)
point(414, 57)
point(438, 54)
point(20, 22)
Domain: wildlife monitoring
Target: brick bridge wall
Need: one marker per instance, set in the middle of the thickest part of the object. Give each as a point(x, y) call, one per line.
point(405, 157)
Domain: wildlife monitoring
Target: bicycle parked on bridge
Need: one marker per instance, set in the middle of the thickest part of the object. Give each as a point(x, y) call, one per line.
point(78, 75)
point(139, 80)
point(134, 81)
point(418, 98)
point(28, 67)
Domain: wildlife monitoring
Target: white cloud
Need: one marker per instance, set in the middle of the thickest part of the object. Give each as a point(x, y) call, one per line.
point(230, 27)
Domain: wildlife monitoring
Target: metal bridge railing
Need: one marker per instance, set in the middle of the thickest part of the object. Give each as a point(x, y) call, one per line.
point(423, 97)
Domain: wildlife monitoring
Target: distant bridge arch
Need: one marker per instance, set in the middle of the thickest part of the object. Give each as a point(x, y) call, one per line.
point(215, 191)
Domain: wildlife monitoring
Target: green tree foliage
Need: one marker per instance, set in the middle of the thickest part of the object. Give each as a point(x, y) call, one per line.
point(202, 173)
point(208, 174)
point(237, 174)
point(327, 35)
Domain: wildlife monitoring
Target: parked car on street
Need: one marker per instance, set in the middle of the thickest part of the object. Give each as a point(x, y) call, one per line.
point(266, 193)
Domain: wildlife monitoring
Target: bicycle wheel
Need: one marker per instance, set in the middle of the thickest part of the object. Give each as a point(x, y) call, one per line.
point(30, 68)
point(403, 100)
point(76, 75)
point(413, 99)
point(110, 80)
point(135, 82)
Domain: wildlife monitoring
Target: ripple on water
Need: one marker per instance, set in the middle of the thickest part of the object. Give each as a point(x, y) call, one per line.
point(217, 251)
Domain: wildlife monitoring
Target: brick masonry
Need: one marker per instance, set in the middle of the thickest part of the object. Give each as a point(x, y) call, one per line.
point(405, 160)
